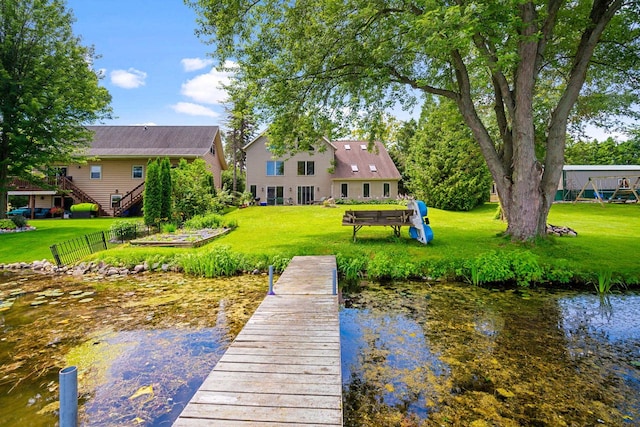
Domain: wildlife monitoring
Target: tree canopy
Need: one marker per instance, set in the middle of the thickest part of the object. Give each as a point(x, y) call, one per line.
point(444, 164)
point(520, 72)
point(48, 90)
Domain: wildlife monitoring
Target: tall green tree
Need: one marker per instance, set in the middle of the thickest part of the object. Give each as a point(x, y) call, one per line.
point(166, 203)
point(242, 128)
point(152, 198)
point(48, 90)
point(515, 69)
point(444, 165)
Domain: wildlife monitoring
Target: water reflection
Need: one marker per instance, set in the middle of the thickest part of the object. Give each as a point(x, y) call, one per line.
point(400, 351)
point(458, 355)
point(147, 362)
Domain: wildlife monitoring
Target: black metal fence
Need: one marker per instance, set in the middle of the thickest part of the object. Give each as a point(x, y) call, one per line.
point(73, 250)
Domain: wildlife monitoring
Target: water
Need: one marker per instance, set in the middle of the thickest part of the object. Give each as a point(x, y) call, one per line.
point(142, 345)
point(450, 354)
point(413, 354)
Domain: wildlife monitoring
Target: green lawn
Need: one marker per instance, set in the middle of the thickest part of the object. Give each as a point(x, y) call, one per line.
point(34, 245)
point(608, 237)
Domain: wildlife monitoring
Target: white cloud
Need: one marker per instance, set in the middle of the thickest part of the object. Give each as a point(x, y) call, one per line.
point(206, 88)
point(194, 109)
point(128, 79)
point(195, 64)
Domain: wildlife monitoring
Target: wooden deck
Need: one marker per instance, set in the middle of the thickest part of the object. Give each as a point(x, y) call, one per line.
point(283, 369)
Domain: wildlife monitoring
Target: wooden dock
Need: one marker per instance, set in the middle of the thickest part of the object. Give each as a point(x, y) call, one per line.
point(283, 369)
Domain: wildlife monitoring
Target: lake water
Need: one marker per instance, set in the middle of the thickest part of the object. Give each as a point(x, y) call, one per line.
point(452, 354)
point(413, 354)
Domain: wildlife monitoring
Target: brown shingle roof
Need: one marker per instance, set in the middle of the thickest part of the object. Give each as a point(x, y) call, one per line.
point(371, 164)
point(171, 141)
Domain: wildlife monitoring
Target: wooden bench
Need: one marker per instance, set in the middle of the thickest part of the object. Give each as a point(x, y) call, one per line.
point(392, 218)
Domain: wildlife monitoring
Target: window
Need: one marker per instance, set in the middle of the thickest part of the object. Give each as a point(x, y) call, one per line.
point(115, 200)
point(623, 184)
point(354, 168)
point(275, 196)
point(373, 168)
point(344, 190)
point(363, 147)
point(366, 191)
point(306, 168)
point(347, 147)
point(137, 172)
point(306, 194)
point(254, 191)
point(275, 168)
point(385, 189)
point(96, 172)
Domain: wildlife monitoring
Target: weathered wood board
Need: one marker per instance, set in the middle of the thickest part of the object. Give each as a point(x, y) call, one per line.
point(283, 368)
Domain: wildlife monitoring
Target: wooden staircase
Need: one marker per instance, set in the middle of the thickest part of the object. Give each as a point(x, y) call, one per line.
point(79, 196)
point(131, 198)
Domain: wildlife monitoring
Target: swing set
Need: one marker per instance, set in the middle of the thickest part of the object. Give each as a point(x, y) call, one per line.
point(623, 193)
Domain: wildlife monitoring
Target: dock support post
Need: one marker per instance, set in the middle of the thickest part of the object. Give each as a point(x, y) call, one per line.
point(335, 281)
point(69, 397)
point(271, 281)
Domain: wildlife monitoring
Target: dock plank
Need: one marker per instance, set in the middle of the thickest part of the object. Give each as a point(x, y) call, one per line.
point(284, 367)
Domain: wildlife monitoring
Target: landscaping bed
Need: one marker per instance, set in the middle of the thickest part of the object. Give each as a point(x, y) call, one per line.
point(182, 239)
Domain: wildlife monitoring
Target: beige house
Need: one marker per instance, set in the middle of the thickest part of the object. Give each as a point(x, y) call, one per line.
point(344, 169)
point(113, 175)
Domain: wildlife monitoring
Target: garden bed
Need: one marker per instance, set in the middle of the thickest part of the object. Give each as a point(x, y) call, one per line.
point(183, 238)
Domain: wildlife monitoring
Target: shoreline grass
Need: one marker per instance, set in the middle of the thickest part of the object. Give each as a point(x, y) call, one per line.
point(608, 238)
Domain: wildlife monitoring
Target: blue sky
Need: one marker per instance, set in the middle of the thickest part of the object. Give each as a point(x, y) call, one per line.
point(154, 66)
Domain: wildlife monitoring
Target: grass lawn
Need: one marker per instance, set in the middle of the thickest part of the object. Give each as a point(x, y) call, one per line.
point(608, 237)
point(34, 245)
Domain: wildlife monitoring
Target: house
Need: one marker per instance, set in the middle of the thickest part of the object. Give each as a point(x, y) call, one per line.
point(113, 175)
point(338, 169)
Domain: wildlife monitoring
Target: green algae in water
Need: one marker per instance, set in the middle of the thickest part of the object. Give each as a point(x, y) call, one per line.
point(459, 355)
point(168, 338)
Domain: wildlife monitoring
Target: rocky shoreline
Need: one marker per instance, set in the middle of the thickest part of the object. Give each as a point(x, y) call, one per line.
point(100, 268)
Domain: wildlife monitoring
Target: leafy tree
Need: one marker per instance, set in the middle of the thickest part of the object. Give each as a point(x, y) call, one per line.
point(166, 203)
point(152, 198)
point(193, 190)
point(515, 69)
point(242, 128)
point(608, 152)
point(228, 178)
point(444, 164)
point(48, 91)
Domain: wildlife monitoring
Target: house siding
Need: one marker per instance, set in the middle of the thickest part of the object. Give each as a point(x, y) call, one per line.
point(256, 161)
point(116, 179)
point(355, 189)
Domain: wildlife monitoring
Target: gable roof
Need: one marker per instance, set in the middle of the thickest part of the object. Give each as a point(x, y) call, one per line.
point(155, 141)
point(354, 162)
point(264, 136)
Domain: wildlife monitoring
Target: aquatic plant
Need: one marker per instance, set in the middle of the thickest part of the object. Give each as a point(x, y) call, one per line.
point(217, 262)
point(351, 268)
point(605, 281)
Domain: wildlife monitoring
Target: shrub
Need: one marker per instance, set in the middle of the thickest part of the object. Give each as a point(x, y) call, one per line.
point(125, 229)
point(352, 268)
point(84, 207)
point(204, 221)
point(526, 268)
point(19, 221)
point(7, 224)
point(169, 227)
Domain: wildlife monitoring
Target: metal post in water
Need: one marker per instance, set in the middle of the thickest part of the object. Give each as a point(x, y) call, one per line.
point(69, 396)
point(271, 281)
point(335, 282)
